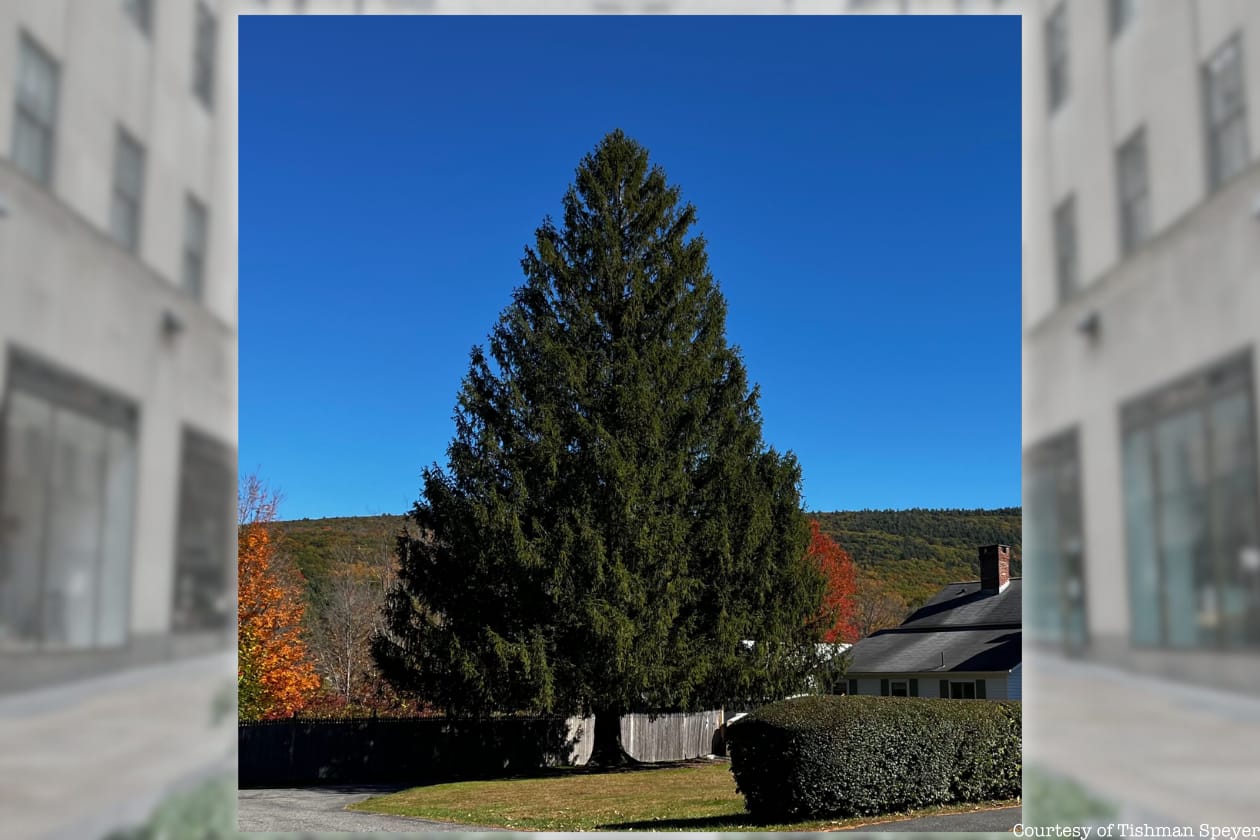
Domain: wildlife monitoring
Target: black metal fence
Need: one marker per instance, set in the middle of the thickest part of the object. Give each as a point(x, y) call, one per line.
point(297, 751)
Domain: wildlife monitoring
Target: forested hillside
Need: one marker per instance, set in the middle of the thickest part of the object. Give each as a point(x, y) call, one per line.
point(315, 545)
point(915, 552)
point(911, 552)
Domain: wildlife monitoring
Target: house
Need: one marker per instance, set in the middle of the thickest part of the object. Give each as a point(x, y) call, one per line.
point(965, 643)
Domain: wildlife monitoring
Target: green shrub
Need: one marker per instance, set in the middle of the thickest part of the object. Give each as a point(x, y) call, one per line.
point(858, 756)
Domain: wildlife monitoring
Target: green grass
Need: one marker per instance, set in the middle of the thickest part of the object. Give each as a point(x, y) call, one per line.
point(687, 798)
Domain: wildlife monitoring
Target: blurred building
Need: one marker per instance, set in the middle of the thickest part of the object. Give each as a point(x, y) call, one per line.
point(1141, 321)
point(117, 334)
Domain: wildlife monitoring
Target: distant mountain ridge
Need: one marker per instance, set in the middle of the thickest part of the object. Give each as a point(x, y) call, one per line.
point(912, 552)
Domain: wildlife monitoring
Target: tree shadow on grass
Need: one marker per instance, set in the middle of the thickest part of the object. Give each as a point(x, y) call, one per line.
point(643, 766)
point(722, 822)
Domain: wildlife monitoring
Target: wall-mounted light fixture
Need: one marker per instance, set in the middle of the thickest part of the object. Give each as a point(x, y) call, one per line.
point(1090, 326)
point(172, 326)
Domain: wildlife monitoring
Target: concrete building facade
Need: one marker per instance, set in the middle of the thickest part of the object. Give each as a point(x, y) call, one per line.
point(117, 334)
point(1141, 321)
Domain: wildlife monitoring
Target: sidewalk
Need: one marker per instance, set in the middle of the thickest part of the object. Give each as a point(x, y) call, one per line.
point(82, 759)
point(1147, 745)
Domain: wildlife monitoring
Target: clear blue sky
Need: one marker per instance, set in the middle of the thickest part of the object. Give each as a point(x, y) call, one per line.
point(857, 179)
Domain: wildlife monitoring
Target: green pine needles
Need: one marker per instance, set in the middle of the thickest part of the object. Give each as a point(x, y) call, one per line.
point(611, 527)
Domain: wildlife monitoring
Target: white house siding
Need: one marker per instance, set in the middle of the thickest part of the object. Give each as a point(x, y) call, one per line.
point(1014, 683)
point(996, 685)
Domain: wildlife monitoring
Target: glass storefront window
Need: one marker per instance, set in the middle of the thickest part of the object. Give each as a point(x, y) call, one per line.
point(203, 596)
point(67, 499)
point(1054, 559)
point(1192, 513)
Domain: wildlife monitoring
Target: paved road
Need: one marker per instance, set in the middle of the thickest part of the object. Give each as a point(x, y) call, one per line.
point(323, 810)
point(1180, 752)
point(1002, 819)
point(122, 742)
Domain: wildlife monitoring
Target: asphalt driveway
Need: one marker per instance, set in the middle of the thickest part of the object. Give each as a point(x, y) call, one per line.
point(1000, 819)
point(322, 809)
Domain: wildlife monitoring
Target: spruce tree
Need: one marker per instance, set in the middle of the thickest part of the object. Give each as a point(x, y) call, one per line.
point(611, 529)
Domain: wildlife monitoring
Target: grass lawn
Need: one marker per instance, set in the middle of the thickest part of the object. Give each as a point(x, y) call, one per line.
point(695, 797)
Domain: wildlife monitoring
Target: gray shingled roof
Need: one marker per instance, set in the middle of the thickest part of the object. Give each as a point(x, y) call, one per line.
point(964, 605)
point(959, 629)
point(916, 651)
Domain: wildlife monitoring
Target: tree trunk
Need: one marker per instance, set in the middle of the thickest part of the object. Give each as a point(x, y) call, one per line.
point(607, 751)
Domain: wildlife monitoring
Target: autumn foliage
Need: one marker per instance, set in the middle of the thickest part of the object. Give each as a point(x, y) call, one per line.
point(838, 603)
point(275, 677)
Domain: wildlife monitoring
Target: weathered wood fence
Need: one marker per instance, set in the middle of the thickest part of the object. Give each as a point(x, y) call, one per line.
point(666, 737)
point(317, 751)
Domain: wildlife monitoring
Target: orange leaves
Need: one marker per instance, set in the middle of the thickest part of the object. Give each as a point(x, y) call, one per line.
point(275, 676)
point(838, 602)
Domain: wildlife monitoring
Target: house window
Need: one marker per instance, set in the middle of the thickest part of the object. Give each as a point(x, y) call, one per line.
point(125, 211)
point(204, 37)
point(1191, 512)
point(1226, 114)
point(1054, 542)
point(962, 690)
point(1135, 204)
point(1057, 57)
point(899, 688)
point(141, 13)
point(35, 117)
point(1065, 259)
point(67, 501)
point(205, 548)
point(195, 234)
point(1119, 15)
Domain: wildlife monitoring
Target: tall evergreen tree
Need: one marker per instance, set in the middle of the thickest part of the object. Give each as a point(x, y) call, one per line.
point(611, 528)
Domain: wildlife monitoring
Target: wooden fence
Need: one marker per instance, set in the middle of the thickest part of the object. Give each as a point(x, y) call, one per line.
point(667, 737)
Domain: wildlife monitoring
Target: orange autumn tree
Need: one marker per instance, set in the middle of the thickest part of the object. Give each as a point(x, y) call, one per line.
point(275, 677)
point(838, 602)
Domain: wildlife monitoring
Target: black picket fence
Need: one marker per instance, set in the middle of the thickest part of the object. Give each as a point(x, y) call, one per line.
point(297, 751)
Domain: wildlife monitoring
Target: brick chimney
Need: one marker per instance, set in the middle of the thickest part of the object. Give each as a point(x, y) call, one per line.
point(995, 567)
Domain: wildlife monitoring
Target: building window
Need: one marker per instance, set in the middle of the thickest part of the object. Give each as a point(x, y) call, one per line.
point(1119, 15)
point(67, 502)
point(141, 13)
point(899, 688)
point(195, 235)
point(962, 690)
point(1065, 260)
point(1057, 57)
point(206, 547)
point(1054, 543)
point(128, 198)
point(1134, 194)
point(204, 37)
point(35, 118)
point(1191, 512)
point(1226, 115)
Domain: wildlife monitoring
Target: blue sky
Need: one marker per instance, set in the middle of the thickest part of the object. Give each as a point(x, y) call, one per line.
point(857, 179)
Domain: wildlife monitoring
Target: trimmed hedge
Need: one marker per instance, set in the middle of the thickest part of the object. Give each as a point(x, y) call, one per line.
point(860, 756)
